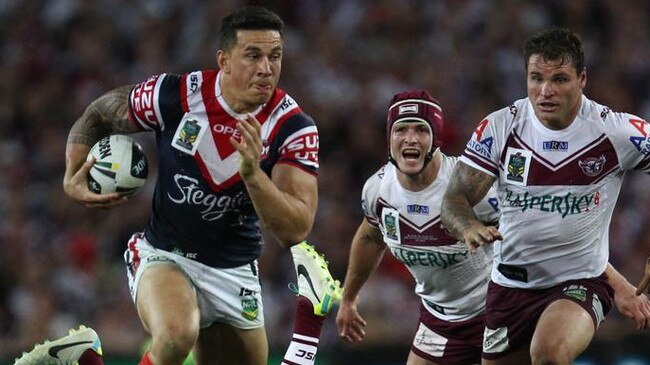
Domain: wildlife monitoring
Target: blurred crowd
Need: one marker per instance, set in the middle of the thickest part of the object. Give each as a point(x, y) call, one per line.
point(61, 264)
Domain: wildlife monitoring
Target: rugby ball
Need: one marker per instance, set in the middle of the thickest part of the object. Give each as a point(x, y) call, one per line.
point(120, 166)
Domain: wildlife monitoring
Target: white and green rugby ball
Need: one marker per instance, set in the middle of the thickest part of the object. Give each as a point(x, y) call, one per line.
point(120, 166)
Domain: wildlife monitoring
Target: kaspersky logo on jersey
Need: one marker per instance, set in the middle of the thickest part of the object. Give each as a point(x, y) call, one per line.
point(428, 258)
point(564, 205)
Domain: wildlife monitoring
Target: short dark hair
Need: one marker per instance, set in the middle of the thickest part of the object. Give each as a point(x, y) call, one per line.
point(556, 44)
point(248, 18)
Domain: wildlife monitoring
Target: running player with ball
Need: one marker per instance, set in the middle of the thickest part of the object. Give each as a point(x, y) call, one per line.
point(234, 152)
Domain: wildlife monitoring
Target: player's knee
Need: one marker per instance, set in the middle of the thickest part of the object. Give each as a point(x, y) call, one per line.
point(174, 341)
point(556, 353)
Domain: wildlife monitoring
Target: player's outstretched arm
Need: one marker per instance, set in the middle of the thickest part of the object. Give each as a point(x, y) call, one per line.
point(104, 116)
point(467, 186)
point(366, 253)
point(633, 306)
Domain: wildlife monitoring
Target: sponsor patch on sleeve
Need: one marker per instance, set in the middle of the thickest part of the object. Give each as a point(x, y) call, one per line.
point(144, 103)
point(302, 148)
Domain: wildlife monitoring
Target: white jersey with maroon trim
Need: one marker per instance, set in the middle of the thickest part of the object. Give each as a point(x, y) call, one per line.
point(451, 282)
point(557, 188)
point(201, 209)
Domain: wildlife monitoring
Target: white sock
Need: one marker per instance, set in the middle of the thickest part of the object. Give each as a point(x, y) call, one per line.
point(301, 351)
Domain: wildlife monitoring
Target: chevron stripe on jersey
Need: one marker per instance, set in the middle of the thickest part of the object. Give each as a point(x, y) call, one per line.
point(447, 277)
point(430, 233)
point(568, 171)
point(557, 188)
point(201, 207)
point(216, 157)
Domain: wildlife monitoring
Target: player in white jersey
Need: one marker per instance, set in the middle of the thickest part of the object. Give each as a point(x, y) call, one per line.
point(234, 152)
point(401, 204)
point(558, 159)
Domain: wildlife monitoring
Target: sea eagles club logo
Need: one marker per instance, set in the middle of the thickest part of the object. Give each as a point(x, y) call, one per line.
point(592, 166)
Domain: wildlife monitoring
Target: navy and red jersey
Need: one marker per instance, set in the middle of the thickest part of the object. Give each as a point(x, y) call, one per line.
point(201, 209)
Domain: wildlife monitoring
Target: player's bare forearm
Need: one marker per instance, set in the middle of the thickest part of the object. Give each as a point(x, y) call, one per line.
point(366, 252)
point(467, 186)
point(286, 204)
point(106, 115)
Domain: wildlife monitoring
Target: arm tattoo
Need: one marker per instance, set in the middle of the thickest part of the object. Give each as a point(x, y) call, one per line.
point(466, 188)
point(106, 115)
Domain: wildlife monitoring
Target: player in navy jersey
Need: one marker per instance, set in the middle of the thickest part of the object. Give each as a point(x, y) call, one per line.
point(558, 159)
point(234, 153)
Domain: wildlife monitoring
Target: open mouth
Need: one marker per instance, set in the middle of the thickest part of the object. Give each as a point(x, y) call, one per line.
point(411, 154)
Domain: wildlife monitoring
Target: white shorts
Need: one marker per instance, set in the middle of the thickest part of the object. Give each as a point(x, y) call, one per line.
point(225, 295)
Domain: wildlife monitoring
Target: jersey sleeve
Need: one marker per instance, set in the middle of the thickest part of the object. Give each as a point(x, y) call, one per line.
point(481, 152)
point(369, 197)
point(631, 138)
point(155, 101)
point(300, 145)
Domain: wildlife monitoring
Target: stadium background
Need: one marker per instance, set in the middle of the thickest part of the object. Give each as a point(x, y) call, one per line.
point(60, 264)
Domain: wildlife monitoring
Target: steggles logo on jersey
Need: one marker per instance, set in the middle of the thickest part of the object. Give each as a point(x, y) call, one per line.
point(568, 204)
point(214, 207)
point(592, 166)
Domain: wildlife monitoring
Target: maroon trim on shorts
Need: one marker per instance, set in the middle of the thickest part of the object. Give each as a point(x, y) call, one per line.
point(520, 309)
point(465, 339)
